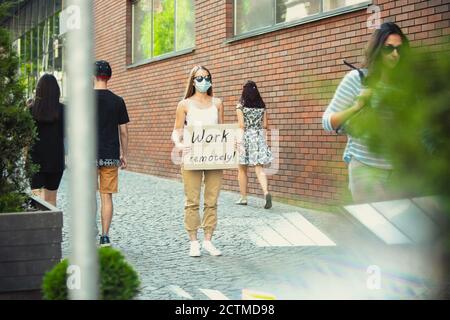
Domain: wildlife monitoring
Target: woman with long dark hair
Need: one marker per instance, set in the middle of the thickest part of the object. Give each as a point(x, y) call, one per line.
point(253, 149)
point(369, 174)
point(199, 107)
point(48, 151)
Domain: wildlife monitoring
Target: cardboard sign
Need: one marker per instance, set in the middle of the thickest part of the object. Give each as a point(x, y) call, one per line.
point(212, 147)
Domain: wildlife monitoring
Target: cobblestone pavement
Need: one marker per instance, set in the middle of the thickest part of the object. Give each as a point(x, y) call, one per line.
point(148, 228)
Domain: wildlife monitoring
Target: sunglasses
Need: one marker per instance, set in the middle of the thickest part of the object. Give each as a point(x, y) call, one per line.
point(200, 78)
point(390, 48)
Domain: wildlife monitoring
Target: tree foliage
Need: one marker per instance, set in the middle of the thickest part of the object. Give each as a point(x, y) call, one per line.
point(158, 25)
point(164, 28)
point(17, 129)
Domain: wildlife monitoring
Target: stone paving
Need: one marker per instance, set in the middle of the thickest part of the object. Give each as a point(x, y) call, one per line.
point(148, 228)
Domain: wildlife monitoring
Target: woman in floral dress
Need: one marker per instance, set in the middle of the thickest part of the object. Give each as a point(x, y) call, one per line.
point(253, 149)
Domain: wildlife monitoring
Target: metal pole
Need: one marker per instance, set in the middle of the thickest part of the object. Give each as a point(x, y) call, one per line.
point(82, 149)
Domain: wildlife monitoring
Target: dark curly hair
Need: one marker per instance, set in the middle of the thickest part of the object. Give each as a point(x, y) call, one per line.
point(250, 97)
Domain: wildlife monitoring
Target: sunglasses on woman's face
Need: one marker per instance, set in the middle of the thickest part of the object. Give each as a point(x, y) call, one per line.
point(200, 78)
point(390, 48)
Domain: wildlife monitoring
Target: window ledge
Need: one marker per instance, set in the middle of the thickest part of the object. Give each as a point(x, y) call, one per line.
point(160, 58)
point(295, 23)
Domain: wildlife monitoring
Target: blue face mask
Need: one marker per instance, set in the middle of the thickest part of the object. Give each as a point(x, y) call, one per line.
point(202, 86)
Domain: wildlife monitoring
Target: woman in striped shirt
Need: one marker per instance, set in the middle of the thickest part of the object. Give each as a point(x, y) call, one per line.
point(370, 174)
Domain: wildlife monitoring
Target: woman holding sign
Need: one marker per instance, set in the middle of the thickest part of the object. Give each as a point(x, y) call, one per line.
point(253, 150)
point(199, 108)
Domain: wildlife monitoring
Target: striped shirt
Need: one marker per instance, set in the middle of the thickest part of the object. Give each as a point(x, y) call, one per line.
point(345, 96)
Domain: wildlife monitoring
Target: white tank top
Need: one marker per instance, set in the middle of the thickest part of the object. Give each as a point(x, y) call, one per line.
point(201, 116)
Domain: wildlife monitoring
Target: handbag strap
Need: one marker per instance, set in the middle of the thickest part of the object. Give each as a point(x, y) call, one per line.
point(361, 78)
point(361, 74)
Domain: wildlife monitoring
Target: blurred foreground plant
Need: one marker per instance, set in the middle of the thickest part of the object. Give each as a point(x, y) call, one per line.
point(118, 279)
point(411, 124)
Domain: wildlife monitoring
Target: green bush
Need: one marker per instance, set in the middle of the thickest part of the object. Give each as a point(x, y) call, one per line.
point(17, 128)
point(54, 284)
point(118, 279)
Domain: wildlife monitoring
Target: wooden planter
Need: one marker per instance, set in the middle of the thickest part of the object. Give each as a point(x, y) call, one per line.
point(30, 245)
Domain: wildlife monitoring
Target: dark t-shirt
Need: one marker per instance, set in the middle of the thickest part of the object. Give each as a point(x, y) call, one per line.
point(111, 112)
point(48, 150)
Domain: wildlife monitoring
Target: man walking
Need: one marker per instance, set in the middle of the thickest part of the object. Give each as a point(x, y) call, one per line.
point(112, 143)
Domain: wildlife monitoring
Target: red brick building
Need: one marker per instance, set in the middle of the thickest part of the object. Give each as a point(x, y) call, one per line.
point(295, 57)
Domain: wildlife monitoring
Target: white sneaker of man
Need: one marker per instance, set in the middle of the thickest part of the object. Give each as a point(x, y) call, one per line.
point(195, 249)
point(208, 246)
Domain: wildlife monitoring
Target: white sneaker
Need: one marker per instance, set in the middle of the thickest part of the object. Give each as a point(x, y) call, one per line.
point(242, 201)
point(195, 249)
point(208, 246)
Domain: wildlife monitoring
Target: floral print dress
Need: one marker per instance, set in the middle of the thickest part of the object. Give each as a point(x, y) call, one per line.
point(254, 149)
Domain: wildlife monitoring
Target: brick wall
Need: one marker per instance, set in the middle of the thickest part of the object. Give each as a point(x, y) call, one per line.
point(297, 70)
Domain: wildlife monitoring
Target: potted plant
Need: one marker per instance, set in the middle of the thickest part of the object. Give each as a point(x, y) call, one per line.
point(30, 229)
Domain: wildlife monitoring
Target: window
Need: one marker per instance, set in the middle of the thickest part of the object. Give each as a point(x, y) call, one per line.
point(160, 27)
point(38, 44)
point(252, 15)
